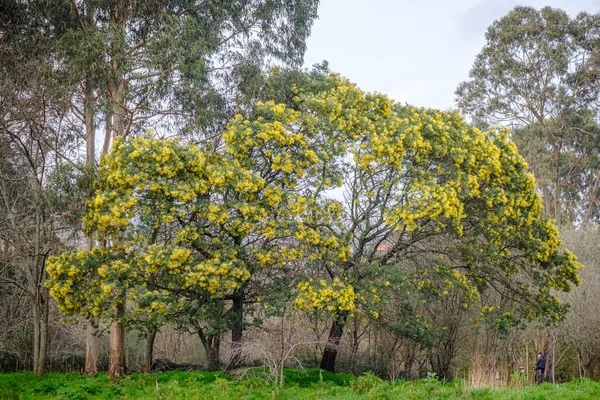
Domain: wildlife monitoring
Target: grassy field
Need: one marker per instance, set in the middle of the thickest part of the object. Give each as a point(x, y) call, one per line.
point(308, 384)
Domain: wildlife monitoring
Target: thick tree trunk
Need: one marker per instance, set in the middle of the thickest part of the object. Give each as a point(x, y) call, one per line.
point(237, 331)
point(40, 332)
point(211, 344)
point(92, 348)
point(213, 353)
point(119, 126)
point(333, 342)
point(149, 350)
point(117, 364)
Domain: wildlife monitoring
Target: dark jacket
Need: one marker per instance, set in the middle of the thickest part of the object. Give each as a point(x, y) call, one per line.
point(541, 363)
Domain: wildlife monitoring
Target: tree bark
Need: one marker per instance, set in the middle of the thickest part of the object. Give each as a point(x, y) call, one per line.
point(92, 341)
point(117, 364)
point(149, 350)
point(36, 335)
point(92, 348)
point(333, 342)
point(43, 332)
point(237, 331)
point(39, 297)
point(90, 126)
point(591, 206)
point(40, 332)
point(546, 346)
point(211, 344)
point(557, 206)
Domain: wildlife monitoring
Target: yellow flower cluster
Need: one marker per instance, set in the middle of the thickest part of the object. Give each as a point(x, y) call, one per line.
point(334, 296)
point(216, 276)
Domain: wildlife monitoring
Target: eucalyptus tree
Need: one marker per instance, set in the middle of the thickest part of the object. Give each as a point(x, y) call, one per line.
point(538, 73)
point(122, 66)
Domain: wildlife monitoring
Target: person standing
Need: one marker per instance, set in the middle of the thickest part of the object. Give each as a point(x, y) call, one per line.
point(540, 368)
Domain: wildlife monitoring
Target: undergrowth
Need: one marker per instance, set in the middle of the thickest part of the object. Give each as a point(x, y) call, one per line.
point(253, 384)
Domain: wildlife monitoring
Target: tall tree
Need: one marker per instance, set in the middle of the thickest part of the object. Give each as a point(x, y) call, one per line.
point(186, 224)
point(28, 112)
point(538, 72)
point(438, 205)
point(126, 65)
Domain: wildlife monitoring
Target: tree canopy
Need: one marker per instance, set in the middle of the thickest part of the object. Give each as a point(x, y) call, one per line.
point(538, 73)
point(432, 205)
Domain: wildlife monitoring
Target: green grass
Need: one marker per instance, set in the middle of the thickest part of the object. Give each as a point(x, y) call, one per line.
point(307, 384)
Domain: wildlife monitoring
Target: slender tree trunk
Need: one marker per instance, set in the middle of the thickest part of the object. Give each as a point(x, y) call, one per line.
point(43, 332)
point(40, 306)
point(117, 364)
point(149, 349)
point(36, 335)
point(92, 341)
point(548, 201)
point(592, 199)
point(237, 331)
point(90, 127)
point(557, 206)
point(333, 342)
point(107, 133)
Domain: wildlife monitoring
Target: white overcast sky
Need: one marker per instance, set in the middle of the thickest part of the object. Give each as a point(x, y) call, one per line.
point(415, 51)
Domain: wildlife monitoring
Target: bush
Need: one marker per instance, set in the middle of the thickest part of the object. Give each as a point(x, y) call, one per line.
point(365, 383)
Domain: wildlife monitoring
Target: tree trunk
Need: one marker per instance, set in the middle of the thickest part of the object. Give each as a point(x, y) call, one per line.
point(40, 302)
point(92, 348)
point(591, 205)
point(36, 335)
point(211, 344)
point(92, 341)
point(90, 127)
point(546, 347)
point(557, 206)
point(149, 350)
point(237, 331)
point(117, 365)
point(43, 332)
point(548, 201)
point(333, 341)
point(40, 332)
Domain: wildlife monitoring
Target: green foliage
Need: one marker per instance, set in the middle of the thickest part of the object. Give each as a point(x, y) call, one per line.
point(365, 383)
point(188, 228)
point(435, 211)
point(538, 72)
point(205, 385)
